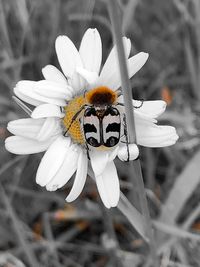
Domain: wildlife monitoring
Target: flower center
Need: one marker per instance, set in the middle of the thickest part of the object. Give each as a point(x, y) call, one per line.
point(74, 127)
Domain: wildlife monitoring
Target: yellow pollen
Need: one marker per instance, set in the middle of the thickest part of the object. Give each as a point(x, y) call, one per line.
point(71, 109)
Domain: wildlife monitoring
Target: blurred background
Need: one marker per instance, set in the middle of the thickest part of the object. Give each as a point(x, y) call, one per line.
point(37, 228)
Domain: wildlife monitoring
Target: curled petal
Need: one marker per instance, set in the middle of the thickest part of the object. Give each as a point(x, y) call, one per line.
point(128, 152)
point(53, 74)
point(146, 110)
point(156, 136)
point(24, 146)
point(142, 118)
point(52, 160)
point(108, 186)
point(80, 177)
point(91, 50)
point(152, 109)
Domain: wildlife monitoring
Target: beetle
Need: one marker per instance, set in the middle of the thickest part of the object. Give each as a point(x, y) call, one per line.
point(102, 127)
point(101, 120)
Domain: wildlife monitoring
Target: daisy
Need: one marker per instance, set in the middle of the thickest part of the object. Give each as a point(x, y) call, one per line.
point(57, 121)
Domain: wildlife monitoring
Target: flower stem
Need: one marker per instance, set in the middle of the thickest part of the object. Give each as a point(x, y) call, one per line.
point(126, 89)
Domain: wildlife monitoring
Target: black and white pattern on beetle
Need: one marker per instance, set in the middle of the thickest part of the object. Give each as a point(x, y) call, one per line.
point(102, 126)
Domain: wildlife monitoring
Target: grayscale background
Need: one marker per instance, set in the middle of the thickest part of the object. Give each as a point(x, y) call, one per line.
point(37, 228)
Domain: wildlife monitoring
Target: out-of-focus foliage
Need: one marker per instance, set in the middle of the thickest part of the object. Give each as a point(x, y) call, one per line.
point(37, 228)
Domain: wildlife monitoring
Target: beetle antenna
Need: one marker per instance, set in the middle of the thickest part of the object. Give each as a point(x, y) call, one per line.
point(74, 118)
point(120, 104)
point(119, 92)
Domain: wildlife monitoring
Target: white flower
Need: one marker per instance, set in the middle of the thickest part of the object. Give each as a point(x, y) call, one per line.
point(59, 97)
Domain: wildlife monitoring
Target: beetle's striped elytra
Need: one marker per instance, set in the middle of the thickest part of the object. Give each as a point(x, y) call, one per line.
point(94, 118)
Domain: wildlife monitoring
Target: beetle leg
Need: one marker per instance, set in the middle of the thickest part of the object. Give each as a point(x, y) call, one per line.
point(126, 136)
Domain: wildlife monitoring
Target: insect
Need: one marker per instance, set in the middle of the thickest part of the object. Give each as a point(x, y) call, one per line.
point(102, 126)
point(100, 118)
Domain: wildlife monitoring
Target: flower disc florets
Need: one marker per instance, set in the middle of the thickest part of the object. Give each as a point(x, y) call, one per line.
point(74, 128)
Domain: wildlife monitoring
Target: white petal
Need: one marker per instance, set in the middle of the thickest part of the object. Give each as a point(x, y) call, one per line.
point(113, 153)
point(68, 55)
point(90, 77)
point(77, 83)
point(91, 50)
point(112, 79)
point(26, 98)
point(47, 110)
point(51, 89)
point(110, 75)
point(26, 88)
point(53, 74)
point(141, 118)
point(27, 128)
point(52, 160)
point(156, 136)
point(128, 153)
point(144, 114)
point(51, 127)
point(102, 191)
point(66, 171)
point(99, 160)
point(80, 177)
point(108, 186)
point(136, 62)
point(152, 109)
point(23, 146)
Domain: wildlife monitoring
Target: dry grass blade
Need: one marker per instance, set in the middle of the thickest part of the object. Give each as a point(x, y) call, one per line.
point(184, 186)
point(133, 215)
point(175, 231)
point(4, 30)
point(9, 164)
point(128, 14)
point(17, 228)
point(22, 105)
